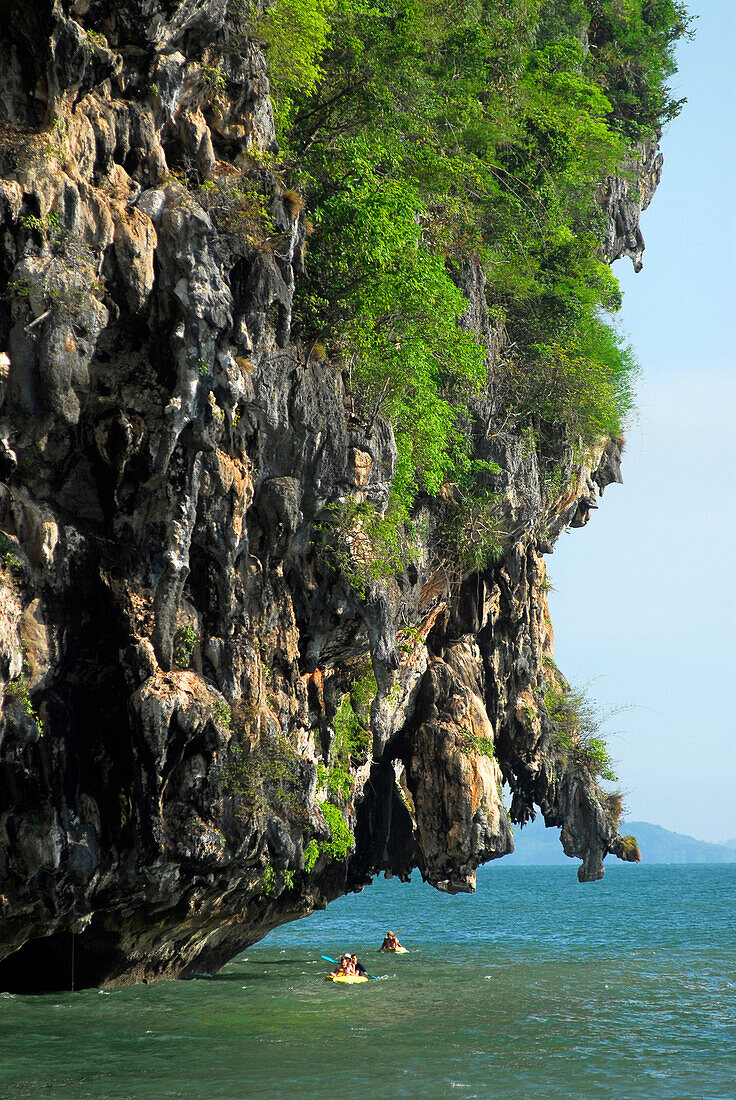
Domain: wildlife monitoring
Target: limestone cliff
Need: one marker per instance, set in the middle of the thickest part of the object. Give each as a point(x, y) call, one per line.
point(179, 654)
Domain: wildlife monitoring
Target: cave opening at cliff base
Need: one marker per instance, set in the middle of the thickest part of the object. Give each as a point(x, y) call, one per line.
point(59, 963)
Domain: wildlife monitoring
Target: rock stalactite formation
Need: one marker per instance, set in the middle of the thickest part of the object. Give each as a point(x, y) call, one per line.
point(206, 730)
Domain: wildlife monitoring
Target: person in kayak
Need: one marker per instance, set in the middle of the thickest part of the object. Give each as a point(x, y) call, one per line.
point(344, 969)
point(358, 967)
point(390, 943)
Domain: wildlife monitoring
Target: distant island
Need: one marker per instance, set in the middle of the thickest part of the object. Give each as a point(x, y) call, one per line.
point(537, 845)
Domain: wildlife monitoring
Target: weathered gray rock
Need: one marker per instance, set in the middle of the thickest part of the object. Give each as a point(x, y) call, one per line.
point(624, 198)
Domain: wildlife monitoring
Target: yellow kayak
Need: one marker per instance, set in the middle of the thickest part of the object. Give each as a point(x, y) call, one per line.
point(395, 950)
point(345, 979)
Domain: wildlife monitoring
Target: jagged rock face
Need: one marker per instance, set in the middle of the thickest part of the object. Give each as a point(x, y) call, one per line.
point(174, 647)
point(623, 199)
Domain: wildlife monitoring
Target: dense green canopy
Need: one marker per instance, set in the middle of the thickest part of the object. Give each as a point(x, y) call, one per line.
point(427, 133)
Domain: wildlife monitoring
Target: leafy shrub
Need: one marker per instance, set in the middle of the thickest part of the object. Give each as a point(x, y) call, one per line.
point(19, 690)
point(94, 40)
point(240, 779)
point(364, 545)
point(630, 849)
point(222, 712)
point(266, 776)
point(342, 839)
point(474, 530)
point(352, 720)
point(392, 310)
point(634, 59)
point(185, 641)
point(351, 729)
point(9, 558)
point(280, 774)
point(412, 639)
point(575, 741)
point(49, 225)
point(311, 855)
point(214, 79)
point(278, 765)
point(584, 387)
point(352, 737)
point(479, 746)
point(336, 779)
point(240, 212)
point(269, 883)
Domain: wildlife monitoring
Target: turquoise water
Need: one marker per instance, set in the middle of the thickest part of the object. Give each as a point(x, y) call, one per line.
point(534, 988)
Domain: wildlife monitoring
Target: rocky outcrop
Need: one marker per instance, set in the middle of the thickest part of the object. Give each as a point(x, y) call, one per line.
point(189, 754)
point(625, 197)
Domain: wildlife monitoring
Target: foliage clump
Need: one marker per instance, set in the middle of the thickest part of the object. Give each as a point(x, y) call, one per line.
point(630, 849)
point(297, 33)
point(634, 43)
point(341, 843)
point(352, 719)
point(213, 79)
point(279, 769)
point(364, 544)
point(185, 641)
point(20, 691)
point(474, 532)
point(311, 855)
point(269, 882)
point(352, 737)
point(222, 712)
point(262, 774)
point(240, 779)
point(275, 882)
point(240, 210)
point(351, 743)
point(575, 741)
point(9, 558)
point(479, 746)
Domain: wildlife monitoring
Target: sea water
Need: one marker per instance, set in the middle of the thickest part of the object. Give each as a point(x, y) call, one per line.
point(533, 988)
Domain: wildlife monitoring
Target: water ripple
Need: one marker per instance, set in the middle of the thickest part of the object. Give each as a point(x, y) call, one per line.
point(533, 987)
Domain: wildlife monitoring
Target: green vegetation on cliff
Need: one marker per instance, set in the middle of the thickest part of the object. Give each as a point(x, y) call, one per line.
point(575, 725)
point(431, 137)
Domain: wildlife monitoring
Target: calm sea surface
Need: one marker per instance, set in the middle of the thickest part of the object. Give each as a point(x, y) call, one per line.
point(533, 988)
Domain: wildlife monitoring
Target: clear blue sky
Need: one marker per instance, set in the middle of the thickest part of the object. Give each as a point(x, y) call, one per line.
point(645, 604)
